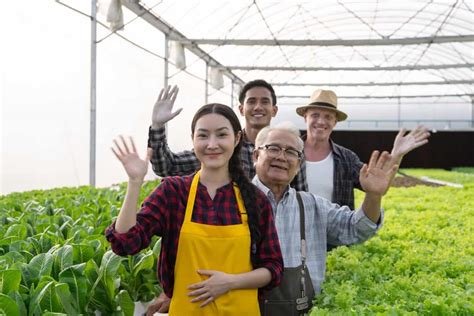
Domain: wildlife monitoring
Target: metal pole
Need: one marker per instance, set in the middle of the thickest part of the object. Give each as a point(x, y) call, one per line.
point(232, 93)
point(167, 56)
point(92, 144)
point(399, 113)
point(165, 70)
point(472, 111)
point(207, 84)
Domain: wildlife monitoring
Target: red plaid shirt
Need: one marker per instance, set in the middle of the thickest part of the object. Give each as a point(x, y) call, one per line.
point(162, 214)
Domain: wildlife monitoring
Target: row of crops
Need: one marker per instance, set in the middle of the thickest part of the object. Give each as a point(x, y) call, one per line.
point(54, 259)
point(421, 262)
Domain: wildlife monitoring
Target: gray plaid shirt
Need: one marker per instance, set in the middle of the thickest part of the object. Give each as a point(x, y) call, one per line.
point(167, 163)
point(324, 222)
point(346, 174)
point(347, 167)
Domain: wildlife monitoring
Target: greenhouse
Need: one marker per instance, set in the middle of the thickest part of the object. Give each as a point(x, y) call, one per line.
point(77, 74)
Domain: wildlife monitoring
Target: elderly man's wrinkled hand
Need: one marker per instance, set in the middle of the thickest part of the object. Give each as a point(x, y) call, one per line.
point(376, 176)
point(161, 304)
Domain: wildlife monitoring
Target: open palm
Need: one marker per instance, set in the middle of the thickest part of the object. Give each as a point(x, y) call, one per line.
point(163, 109)
point(376, 176)
point(403, 144)
point(135, 167)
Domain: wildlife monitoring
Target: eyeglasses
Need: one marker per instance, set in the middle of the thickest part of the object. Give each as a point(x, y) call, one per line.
point(275, 151)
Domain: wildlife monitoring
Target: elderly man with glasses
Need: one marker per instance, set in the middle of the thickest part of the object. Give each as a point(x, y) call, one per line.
point(277, 158)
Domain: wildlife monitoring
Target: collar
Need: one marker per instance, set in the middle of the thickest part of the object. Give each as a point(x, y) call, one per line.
point(335, 148)
point(259, 184)
point(245, 139)
point(201, 186)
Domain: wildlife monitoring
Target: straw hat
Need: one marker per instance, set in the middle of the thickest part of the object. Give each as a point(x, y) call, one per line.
point(323, 99)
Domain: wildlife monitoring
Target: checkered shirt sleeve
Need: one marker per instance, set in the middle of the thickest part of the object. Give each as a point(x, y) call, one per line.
point(166, 163)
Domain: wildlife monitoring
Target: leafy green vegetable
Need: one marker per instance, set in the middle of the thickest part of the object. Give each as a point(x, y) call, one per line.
point(9, 281)
point(8, 306)
point(74, 277)
point(420, 263)
point(54, 259)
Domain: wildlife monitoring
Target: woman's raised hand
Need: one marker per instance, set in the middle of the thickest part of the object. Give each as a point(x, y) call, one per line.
point(135, 167)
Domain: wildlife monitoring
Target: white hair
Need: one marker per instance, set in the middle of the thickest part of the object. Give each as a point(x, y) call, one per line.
point(285, 126)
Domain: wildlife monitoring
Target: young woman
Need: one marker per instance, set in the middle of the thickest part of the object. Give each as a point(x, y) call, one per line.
point(219, 242)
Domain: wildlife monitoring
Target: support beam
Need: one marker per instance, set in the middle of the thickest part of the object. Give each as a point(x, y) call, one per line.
point(166, 65)
point(472, 111)
point(166, 73)
point(381, 96)
point(174, 35)
point(371, 68)
point(336, 42)
point(399, 112)
point(369, 84)
point(93, 87)
point(232, 94)
point(206, 85)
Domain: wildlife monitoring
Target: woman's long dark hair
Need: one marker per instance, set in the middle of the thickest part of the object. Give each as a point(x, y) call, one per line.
point(247, 189)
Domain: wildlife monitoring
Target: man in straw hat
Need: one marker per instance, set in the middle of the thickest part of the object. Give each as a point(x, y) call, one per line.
point(337, 167)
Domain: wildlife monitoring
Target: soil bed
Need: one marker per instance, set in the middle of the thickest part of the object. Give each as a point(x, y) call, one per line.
point(409, 181)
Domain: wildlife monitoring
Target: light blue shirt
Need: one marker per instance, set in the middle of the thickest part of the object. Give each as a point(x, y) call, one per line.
point(324, 222)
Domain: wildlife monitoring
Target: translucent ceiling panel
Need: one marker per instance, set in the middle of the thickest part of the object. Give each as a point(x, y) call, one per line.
point(359, 48)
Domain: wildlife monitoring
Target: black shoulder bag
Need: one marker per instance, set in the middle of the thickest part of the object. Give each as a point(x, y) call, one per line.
point(295, 294)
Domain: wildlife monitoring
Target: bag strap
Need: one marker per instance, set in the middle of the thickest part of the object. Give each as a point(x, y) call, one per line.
point(303, 302)
point(302, 229)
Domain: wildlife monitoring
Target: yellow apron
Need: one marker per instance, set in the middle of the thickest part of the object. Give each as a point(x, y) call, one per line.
point(210, 247)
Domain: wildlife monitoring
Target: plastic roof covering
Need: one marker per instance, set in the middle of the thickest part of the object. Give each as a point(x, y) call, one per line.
point(336, 20)
point(129, 77)
point(425, 79)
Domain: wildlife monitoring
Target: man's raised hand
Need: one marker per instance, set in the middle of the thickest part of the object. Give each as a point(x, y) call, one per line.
point(163, 109)
point(404, 143)
point(376, 176)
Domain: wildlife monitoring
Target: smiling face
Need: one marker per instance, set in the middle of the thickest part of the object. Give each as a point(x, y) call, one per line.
point(214, 141)
point(320, 123)
point(258, 108)
point(277, 170)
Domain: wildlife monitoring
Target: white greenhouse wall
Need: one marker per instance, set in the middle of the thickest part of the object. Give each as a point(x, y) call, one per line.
point(44, 97)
